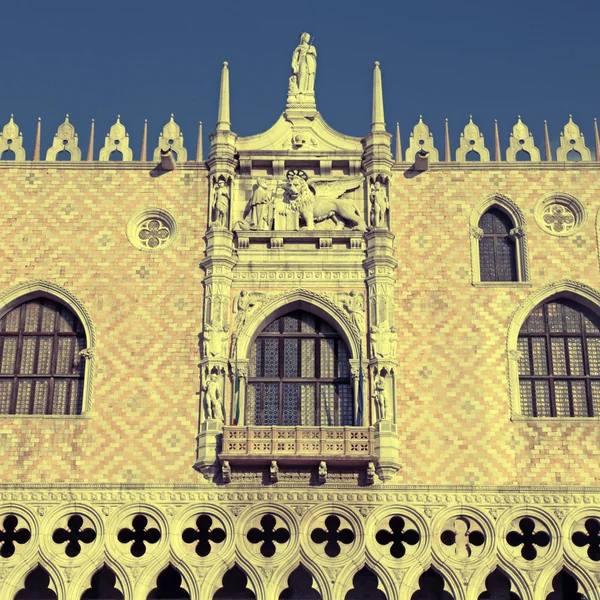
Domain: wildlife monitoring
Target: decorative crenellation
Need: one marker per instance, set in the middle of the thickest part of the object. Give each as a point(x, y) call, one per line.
point(65, 140)
point(117, 140)
point(571, 140)
point(171, 138)
point(421, 140)
point(11, 139)
point(521, 140)
point(137, 533)
point(471, 140)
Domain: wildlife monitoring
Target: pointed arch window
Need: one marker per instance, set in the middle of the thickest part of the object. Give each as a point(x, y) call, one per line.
point(498, 247)
point(299, 374)
point(559, 361)
point(41, 370)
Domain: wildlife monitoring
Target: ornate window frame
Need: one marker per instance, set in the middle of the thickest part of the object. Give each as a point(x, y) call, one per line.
point(565, 288)
point(281, 304)
point(37, 288)
point(518, 233)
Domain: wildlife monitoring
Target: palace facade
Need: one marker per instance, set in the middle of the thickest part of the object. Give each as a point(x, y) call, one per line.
point(307, 366)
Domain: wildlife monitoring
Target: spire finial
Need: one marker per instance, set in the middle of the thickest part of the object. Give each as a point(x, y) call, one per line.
point(398, 144)
point(90, 152)
point(223, 118)
point(447, 157)
point(378, 121)
point(547, 142)
point(597, 138)
point(497, 151)
point(143, 152)
point(199, 147)
point(38, 138)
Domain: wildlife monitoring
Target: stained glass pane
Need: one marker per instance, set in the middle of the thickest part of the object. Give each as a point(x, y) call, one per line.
point(591, 325)
point(495, 221)
point(45, 355)
point(593, 348)
point(273, 326)
point(40, 396)
point(345, 404)
point(65, 320)
point(308, 323)
point(48, 317)
point(271, 403)
point(579, 394)
point(575, 356)
point(343, 360)
point(290, 404)
point(327, 357)
point(555, 320)
point(308, 358)
point(9, 354)
point(559, 358)
point(61, 389)
point(76, 396)
point(561, 394)
point(290, 357)
point(256, 359)
point(271, 357)
point(572, 319)
point(506, 263)
point(28, 355)
point(327, 404)
point(5, 394)
point(524, 364)
point(326, 327)
point(11, 320)
point(32, 310)
point(535, 321)
point(526, 398)
point(307, 404)
point(542, 398)
point(64, 361)
point(290, 324)
point(487, 259)
point(540, 361)
point(23, 396)
point(252, 408)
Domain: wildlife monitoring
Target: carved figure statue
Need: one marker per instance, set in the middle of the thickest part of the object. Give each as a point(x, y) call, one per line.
point(212, 397)
point(220, 204)
point(304, 65)
point(274, 472)
point(259, 216)
point(324, 202)
point(380, 205)
point(380, 398)
point(322, 472)
point(242, 303)
point(375, 339)
point(353, 304)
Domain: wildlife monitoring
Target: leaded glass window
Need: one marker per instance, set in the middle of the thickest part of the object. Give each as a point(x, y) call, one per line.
point(559, 361)
point(41, 371)
point(497, 249)
point(299, 374)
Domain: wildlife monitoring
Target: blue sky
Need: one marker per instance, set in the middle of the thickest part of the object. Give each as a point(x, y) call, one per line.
point(145, 60)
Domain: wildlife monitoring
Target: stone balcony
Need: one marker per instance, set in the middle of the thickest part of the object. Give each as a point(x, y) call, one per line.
point(342, 446)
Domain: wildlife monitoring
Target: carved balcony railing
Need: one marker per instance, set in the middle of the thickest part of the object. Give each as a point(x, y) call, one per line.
point(342, 445)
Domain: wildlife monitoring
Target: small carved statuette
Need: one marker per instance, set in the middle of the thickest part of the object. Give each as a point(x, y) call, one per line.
point(322, 473)
point(370, 475)
point(260, 205)
point(380, 398)
point(212, 398)
point(220, 204)
point(353, 305)
point(87, 353)
point(242, 303)
point(274, 472)
point(226, 471)
point(214, 341)
point(380, 205)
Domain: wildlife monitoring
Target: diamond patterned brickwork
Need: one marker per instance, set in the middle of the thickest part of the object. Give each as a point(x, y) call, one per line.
point(452, 384)
point(68, 225)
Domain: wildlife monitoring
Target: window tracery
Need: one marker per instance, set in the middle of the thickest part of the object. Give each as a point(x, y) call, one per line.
point(497, 247)
point(559, 361)
point(299, 374)
point(42, 359)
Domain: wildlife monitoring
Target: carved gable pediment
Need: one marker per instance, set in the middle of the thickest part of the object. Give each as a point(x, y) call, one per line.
point(292, 136)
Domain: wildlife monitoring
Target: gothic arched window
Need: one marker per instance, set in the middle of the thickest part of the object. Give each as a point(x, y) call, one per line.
point(299, 374)
point(41, 370)
point(497, 248)
point(559, 361)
